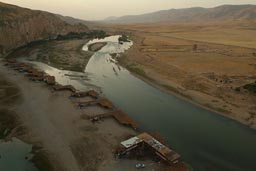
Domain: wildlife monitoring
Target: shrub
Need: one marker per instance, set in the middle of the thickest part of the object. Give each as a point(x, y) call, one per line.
point(123, 38)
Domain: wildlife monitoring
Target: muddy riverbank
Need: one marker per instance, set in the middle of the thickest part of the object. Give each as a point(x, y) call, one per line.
point(67, 133)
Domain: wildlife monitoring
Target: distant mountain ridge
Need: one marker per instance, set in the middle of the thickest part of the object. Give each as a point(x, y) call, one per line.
point(196, 14)
point(20, 26)
point(72, 20)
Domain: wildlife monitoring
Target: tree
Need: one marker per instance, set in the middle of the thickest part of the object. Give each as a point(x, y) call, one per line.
point(123, 38)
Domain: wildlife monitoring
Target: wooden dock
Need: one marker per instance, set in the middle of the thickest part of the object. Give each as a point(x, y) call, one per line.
point(90, 93)
point(119, 116)
point(60, 87)
point(105, 103)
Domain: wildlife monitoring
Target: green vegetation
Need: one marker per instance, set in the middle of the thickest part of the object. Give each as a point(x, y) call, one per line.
point(34, 43)
point(100, 34)
point(72, 35)
point(123, 38)
point(250, 87)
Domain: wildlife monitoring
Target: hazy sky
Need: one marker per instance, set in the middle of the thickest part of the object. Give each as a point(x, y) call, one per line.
point(100, 9)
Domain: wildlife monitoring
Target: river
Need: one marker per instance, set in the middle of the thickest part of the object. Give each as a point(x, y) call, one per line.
point(206, 140)
point(15, 155)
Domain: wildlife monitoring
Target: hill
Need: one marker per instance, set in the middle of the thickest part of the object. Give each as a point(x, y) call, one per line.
point(20, 26)
point(196, 14)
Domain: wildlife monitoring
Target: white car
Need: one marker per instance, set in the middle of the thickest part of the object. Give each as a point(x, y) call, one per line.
point(140, 166)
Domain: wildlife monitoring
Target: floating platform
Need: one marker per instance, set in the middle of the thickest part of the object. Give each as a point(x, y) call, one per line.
point(146, 141)
point(59, 87)
point(105, 103)
point(90, 93)
point(119, 116)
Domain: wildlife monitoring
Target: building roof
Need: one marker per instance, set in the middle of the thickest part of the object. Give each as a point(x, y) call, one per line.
point(159, 147)
point(165, 152)
point(131, 142)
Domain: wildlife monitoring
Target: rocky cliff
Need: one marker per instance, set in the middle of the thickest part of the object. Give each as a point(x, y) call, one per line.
point(20, 26)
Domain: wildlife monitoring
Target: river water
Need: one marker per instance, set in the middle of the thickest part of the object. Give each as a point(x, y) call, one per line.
point(15, 156)
point(206, 140)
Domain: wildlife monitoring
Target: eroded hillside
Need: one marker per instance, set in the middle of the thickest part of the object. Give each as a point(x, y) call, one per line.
point(20, 26)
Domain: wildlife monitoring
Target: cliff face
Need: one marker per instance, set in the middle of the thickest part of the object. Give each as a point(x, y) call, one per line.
point(20, 26)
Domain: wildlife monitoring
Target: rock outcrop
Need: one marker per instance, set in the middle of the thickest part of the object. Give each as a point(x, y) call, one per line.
point(20, 26)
